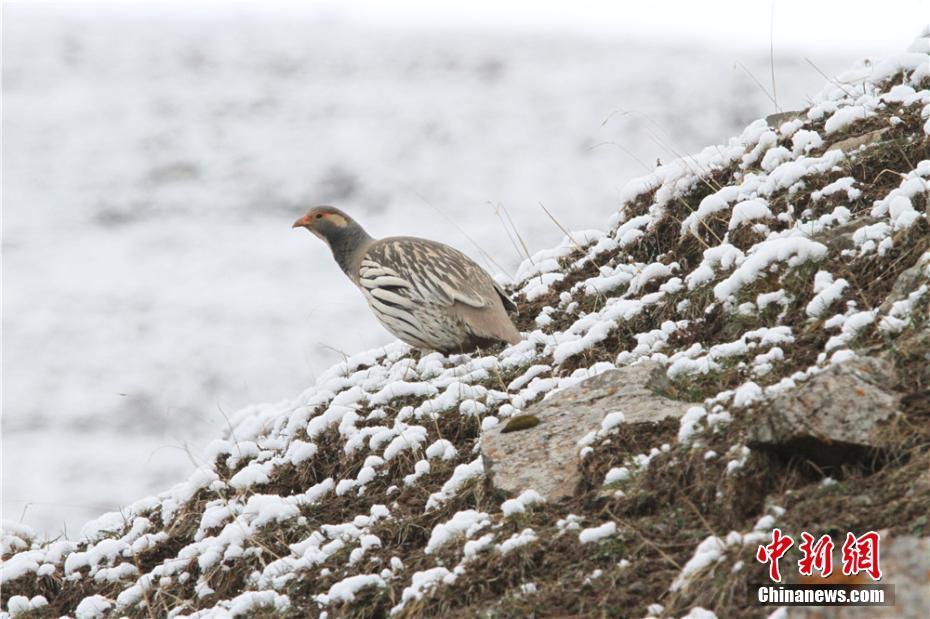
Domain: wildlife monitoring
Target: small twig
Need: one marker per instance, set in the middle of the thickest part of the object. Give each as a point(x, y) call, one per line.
point(903, 154)
point(625, 150)
point(182, 447)
point(564, 230)
point(645, 539)
point(507, 230)
point(232, 431)
point(341, 353)
point(883, 171)
point(516, 232)
point(487, 257)
point(829, 79)
point(670, 149)
point(758, 83)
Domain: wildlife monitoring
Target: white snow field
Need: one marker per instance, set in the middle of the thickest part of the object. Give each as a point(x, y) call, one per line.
point(152, 168)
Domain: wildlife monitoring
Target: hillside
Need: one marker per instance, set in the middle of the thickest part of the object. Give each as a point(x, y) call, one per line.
point(775, 288)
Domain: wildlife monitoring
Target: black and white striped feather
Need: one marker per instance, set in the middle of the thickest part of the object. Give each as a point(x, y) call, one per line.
point(428, 294)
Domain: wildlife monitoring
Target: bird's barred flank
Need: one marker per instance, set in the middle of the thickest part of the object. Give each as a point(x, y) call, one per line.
point(427, 294)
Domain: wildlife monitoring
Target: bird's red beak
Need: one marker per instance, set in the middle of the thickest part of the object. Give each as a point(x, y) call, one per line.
point(303, 222)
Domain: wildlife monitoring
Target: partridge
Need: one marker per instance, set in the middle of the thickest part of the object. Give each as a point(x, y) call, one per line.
point(427, 294)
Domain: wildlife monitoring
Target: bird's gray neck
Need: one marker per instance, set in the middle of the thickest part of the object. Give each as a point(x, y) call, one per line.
point(347, 245)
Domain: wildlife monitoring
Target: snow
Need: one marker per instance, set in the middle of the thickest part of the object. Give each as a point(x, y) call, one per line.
point(473, 548)
point(844, 184)
point(409, 438)
point(245, 603)
point(518, 505)
point(708, 552)
point(300, 451)
point(531, 372)
point(570, 523)
point(846, 116)
point(723, 256)
point(793, 250)
point(804, 141)
point(901, 212)
point(346, 589)
point(462, 474)
point(421, 583)
point(699, 613)
point(617, 473)
point(850, 326)
point(828, 292)
point(611, 421)
point(18, 604)
point(267, 509)
point(539, 286)
point(465, 523)
point(689, 423)
point(443, 449)
point(742, 454)
point(898, 313)
point(517, 540)
point(775, 157)
point(596, 534)
point(746, 394)
point(92, 607)
point(749, 210)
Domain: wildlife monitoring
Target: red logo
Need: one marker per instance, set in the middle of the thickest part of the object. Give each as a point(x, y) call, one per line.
point(859, 554)
point(773, 552)
point(817, 556)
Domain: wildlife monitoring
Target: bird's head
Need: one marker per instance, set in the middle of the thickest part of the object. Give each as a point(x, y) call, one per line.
point(326, 222)
point(345, 237)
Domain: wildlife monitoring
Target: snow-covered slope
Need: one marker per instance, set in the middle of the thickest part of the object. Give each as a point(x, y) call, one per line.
point(744, 269)
point(173, 152)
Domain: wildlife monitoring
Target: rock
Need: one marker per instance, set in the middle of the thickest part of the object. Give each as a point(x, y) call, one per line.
point(854, 142)
point(840, 237)
point(907, 282)
point(905, 562)
point(544, 456)
point(843, 405)
point(776, 120)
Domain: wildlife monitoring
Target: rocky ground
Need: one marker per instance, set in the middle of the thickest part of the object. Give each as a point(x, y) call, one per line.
point(744, 347)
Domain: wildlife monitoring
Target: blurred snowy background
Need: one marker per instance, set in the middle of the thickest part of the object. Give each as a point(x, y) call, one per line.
point(154, 158)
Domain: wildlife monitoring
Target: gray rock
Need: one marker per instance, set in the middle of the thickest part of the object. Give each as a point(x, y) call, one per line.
point(846, 403)
point(856, 141)
point(840, 237)
point(776, 120)
point(544, 457)
point(908, 281)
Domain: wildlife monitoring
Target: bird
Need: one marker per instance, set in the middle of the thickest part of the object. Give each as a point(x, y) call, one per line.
point(427, 294)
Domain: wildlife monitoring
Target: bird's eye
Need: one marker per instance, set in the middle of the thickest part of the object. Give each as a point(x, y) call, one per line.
point(319, 215)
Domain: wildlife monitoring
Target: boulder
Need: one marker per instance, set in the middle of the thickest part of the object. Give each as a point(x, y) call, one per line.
point(853, 143)
point(843, 405)
point(776, 120)
point(907, 282)
point(838, 238)
point(544, 455)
